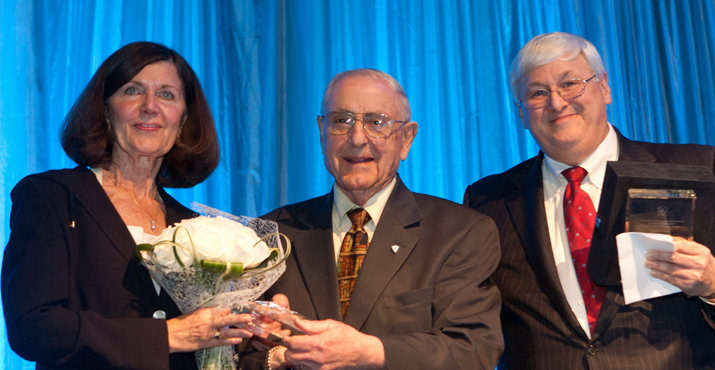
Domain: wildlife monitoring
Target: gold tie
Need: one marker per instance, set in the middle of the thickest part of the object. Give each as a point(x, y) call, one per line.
point(352, 252)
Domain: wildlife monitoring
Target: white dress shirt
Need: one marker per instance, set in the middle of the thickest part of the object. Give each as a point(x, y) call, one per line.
point(342, 204)
point(554, 188)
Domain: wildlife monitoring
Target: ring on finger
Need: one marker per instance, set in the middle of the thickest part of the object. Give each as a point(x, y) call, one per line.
point(217, 335)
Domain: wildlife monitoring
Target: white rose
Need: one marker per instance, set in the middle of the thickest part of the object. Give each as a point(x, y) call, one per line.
point(215, 239)
point(164, 252)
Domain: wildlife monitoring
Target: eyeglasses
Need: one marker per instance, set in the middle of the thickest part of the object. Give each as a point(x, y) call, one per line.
point(376, 125)
point(568, 90)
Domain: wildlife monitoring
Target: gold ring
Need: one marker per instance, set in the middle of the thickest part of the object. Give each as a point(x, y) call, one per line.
point(217, 335)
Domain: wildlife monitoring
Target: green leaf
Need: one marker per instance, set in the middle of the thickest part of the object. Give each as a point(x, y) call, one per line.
point(144, 247)
point(235, 270)
point(264, 263)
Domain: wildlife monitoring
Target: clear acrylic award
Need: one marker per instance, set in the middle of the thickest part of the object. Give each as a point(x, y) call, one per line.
point(662, 211)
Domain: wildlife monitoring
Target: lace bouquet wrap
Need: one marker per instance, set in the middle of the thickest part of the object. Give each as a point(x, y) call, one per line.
point(216, 260)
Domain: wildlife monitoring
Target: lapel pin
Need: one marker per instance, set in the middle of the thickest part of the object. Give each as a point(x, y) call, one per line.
point(395, 248)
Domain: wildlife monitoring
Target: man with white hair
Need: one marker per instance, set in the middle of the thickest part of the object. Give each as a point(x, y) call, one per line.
point(389, 278)
point(554, 316)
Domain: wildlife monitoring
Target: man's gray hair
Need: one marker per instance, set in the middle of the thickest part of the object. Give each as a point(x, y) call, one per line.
point(403, 105)
point(548, 47)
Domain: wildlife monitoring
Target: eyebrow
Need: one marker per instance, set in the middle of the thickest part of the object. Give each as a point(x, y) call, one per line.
point(561, 77)
point(164, 86)
point(349, 111)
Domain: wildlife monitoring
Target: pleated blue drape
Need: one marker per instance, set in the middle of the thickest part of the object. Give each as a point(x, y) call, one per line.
point(264, 65)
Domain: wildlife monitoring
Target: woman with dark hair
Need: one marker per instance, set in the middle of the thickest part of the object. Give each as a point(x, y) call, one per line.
point(74, 294)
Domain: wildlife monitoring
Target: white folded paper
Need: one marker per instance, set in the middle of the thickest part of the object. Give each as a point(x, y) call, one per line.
point(638, 283)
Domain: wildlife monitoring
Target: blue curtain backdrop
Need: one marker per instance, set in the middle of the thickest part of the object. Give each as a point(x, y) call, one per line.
point(264, 64)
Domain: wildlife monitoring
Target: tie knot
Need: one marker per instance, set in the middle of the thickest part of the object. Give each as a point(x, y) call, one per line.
point(358, 216)
point(574, 174)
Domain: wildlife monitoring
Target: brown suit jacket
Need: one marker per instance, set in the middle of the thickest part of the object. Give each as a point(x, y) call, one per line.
point(432, 303)
point(540, 330)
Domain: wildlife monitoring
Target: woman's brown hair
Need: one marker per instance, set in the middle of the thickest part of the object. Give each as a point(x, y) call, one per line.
point(88, 140)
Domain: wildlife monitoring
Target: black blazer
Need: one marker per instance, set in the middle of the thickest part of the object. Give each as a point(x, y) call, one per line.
point(540, 330)
point(431, 303)
point(74, 294)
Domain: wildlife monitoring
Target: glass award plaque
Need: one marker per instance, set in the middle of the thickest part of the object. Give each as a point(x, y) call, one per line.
point(663, 211)
point(262, 313)
point(650, 197)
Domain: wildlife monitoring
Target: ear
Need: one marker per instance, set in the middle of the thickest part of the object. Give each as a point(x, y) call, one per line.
point(106, 115)
point(605, 89)
point(409, 131)
point(181, 125)
point(521, 115)
point(319, 119)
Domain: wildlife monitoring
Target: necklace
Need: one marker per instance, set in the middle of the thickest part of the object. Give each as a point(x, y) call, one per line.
point(136, 203)
point(111, 177)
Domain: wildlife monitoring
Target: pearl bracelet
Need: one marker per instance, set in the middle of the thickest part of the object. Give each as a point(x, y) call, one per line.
point(268, 358)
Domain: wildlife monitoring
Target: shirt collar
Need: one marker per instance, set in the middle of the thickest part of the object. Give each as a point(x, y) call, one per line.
point(595, 163)
point(374, 206)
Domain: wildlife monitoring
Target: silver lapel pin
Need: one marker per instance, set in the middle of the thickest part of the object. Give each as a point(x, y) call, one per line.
point(395, 248)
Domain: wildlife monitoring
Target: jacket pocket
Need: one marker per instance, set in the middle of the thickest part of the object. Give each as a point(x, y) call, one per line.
point(407, 312)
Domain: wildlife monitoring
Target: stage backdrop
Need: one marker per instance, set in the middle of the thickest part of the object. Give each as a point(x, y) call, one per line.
point(264, 64)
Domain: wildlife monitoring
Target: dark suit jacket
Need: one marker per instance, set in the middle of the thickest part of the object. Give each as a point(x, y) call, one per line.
point(540, 330)
point(432, 303)
point(74, 294)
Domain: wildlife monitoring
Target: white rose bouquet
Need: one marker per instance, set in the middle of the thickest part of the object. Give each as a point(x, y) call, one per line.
point(217, 260)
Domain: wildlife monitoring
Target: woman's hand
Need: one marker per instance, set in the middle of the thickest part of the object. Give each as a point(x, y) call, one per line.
point(206, 327)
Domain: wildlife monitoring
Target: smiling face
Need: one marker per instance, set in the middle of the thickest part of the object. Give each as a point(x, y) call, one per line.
point(567, 131)
point(146, 113)
point(362, 165)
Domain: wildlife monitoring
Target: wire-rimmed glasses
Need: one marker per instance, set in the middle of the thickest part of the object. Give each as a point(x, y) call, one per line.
point(568, 90)
point(376, 125)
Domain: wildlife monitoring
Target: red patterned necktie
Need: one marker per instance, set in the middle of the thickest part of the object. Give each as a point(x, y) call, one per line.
point(352, 252)
point(580, 217)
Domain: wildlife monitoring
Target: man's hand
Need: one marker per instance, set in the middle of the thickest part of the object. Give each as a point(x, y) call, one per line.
point(330, 344)
point(691, 267)
point(281, 300)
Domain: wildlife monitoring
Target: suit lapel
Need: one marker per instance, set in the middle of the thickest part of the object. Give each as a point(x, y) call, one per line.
point(627, 151)
point(175, 211)
point(315, 257)
point(399, 225)
point(630, 151)
point(526, 209)
point(89, 194)
point(93, 198)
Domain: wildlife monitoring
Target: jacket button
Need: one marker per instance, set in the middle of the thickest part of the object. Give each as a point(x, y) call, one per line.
point(591, 350)
point(159, 314)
